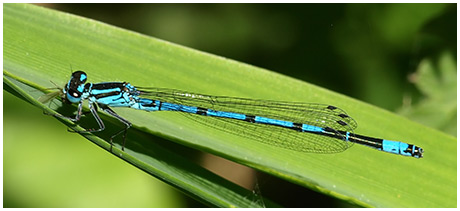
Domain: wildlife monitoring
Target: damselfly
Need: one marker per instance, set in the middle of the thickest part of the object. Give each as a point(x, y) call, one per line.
point(305, 127)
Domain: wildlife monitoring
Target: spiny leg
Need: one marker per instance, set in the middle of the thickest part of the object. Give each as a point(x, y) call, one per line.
point(80, 113)
point(93, 110)
point(121, 119)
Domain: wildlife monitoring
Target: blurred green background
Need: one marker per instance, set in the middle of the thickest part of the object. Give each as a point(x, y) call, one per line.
point(401, 57)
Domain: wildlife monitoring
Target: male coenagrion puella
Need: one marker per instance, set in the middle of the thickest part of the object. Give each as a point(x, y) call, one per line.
point(304, 127)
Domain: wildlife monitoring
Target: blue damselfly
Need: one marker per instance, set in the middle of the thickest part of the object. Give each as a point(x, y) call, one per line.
point(305, 127)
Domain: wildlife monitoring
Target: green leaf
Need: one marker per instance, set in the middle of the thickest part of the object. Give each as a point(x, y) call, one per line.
point(438, 83)
point(40, 45)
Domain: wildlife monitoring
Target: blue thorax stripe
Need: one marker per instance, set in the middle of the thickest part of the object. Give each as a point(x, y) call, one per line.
point(103, 91)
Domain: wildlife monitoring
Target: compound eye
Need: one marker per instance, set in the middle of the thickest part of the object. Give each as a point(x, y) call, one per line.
point(79, 76)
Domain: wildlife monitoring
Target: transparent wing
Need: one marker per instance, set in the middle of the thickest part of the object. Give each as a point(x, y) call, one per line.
point(47, 97)
point(320, 115)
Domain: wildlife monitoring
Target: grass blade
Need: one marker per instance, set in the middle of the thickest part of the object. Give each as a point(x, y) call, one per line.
point(35, 54)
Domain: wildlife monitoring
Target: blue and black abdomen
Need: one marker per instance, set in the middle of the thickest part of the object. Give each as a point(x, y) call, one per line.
point(304, 127)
